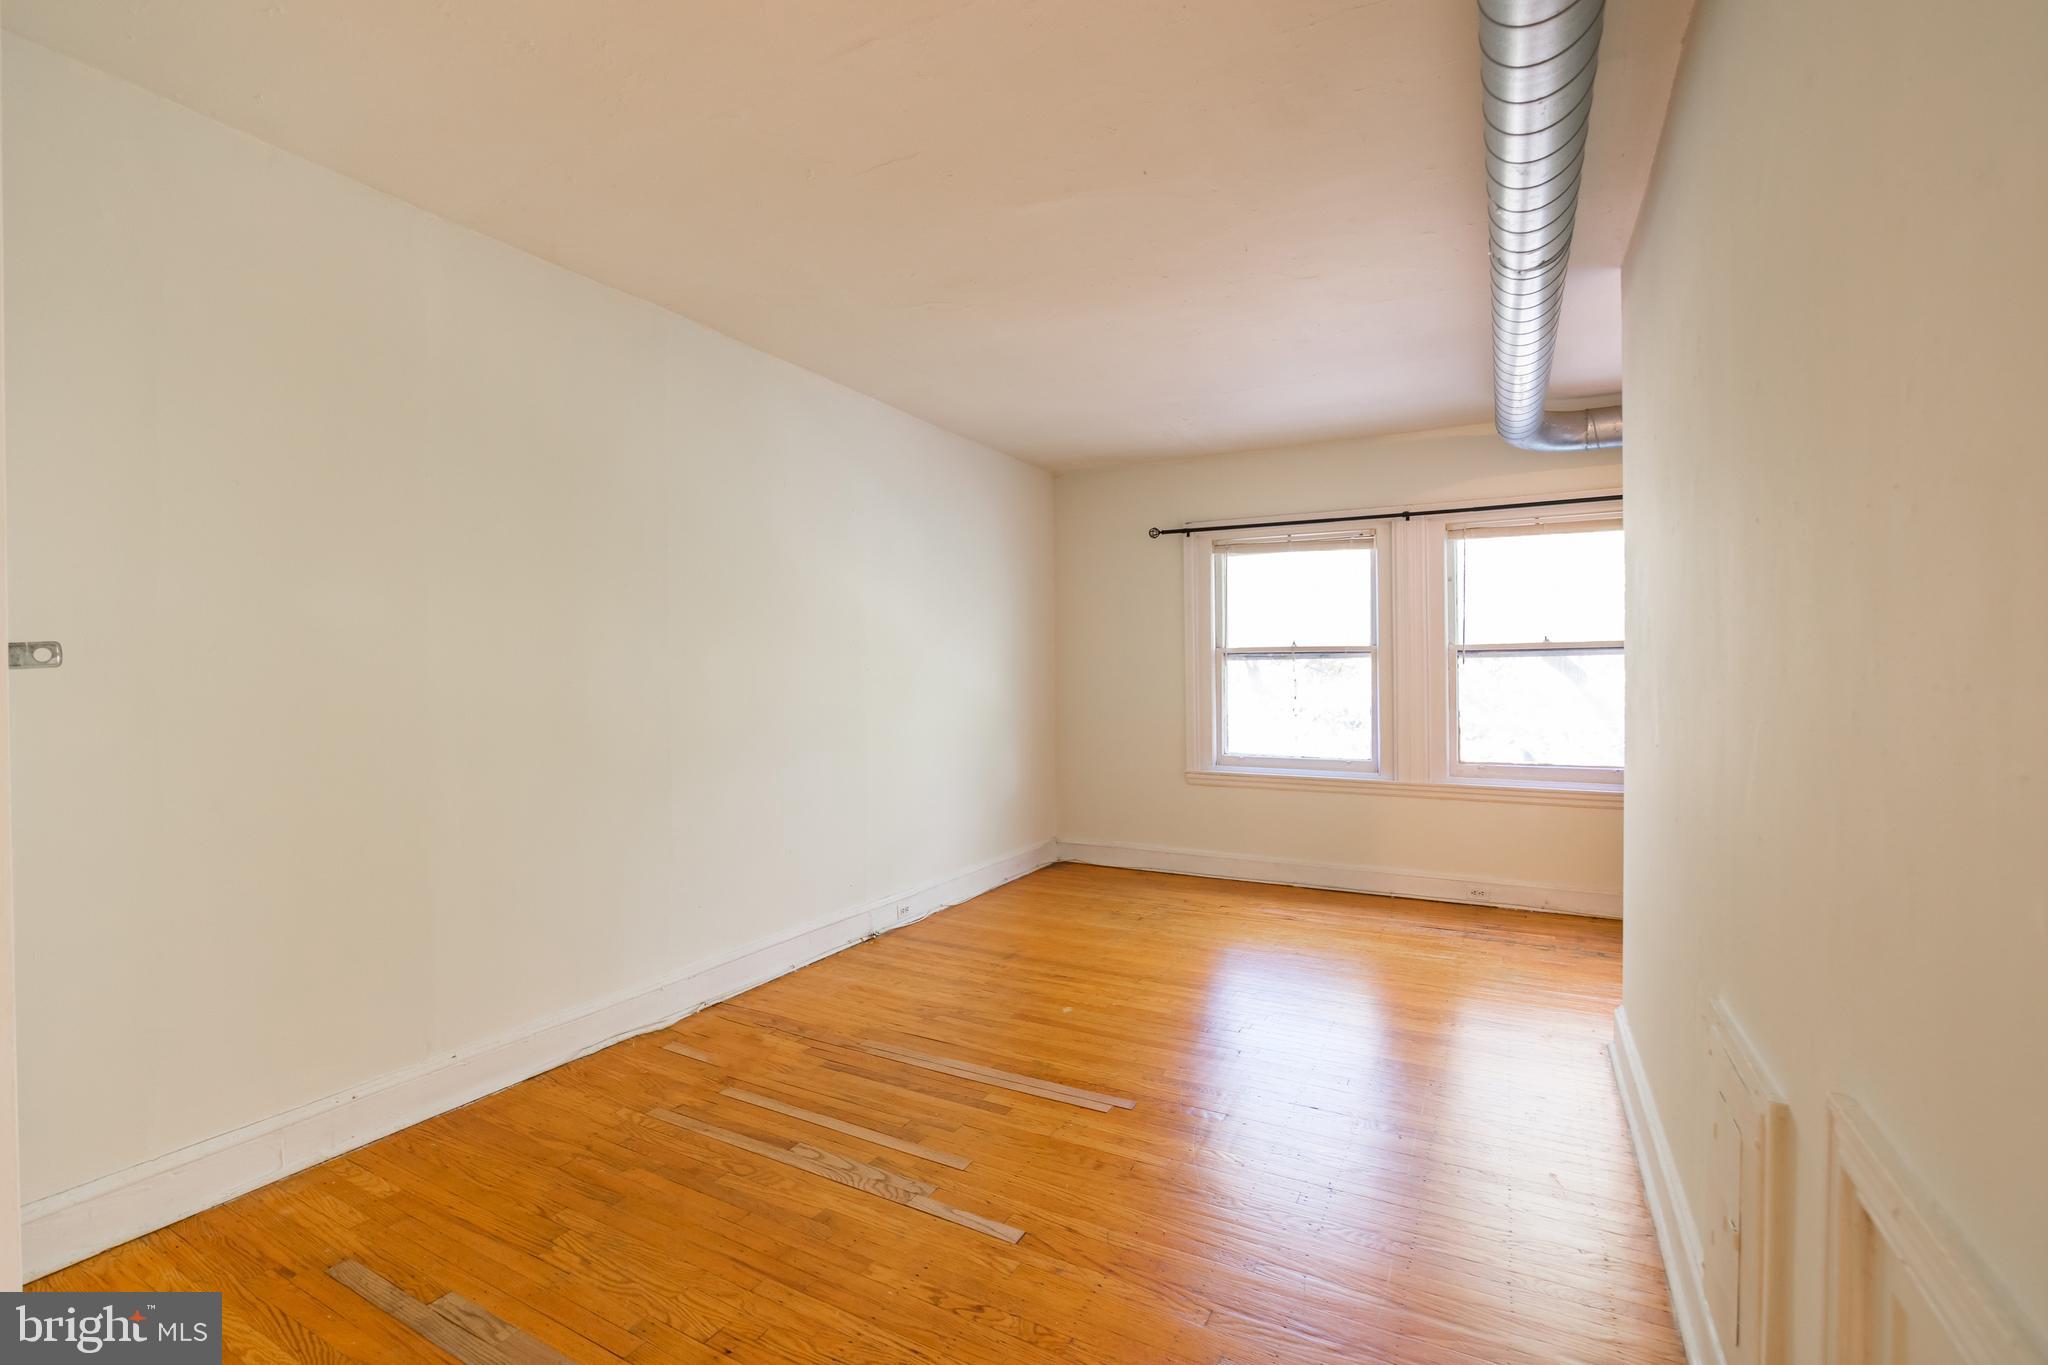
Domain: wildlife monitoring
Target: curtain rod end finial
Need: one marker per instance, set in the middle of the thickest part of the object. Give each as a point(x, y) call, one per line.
point(1154, 533)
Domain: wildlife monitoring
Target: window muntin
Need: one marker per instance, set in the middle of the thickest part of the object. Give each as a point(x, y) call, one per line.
point(1537, 663)
point(1296, 669)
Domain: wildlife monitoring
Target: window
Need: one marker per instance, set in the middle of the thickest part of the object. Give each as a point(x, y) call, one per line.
point(1469, 652)
point(1535, 674)
point(1291, 671)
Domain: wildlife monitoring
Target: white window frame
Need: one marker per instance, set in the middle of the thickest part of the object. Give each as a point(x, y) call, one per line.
point(1415, 671)
point(1444, 651)
point(1206, 555)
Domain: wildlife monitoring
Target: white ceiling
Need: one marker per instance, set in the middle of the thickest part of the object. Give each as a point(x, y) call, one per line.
point(1076, 230)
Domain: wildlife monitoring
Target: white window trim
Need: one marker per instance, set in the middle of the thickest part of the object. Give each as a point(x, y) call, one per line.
point(1414, 665)
point(1442, 680)
point(1206, 655)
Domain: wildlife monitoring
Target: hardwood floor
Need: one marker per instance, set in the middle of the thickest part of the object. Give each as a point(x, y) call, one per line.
point(1362, 1130)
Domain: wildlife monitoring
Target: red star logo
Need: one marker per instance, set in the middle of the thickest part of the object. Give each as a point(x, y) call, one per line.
point(136, 1316)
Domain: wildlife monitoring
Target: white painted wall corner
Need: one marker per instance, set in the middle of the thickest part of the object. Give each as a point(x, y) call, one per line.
point(1677, 1238)
point(72, 1224)
point(1375, 881)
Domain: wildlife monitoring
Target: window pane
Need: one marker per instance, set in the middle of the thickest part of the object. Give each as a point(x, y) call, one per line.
point(1553, 585)
point(1563, 709)
point(1298, 597)
point(1298, 706)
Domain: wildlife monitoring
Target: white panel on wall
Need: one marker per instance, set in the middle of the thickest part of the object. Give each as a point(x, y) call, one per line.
point(1744, 1233)
point(1902, 1289)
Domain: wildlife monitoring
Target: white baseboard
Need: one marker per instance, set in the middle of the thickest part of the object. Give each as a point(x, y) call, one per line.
point(1377, 881)
point(72, 1224)
point(1677, 1237)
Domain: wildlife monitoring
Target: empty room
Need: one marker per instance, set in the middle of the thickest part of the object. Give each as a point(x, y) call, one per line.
point(1144, 682)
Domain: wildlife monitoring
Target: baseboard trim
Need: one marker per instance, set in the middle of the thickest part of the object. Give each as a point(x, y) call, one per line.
point(72, 1224)
point(1376, 881)
point(1677, 1238)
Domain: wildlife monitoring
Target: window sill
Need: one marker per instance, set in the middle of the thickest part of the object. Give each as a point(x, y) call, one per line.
point(1512, 793)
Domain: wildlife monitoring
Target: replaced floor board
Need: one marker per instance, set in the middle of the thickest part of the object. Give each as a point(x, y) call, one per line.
point(846, 1171)
point(1008, 1080)
point(1366, 1130)
point(894, 1144)
point(444, 1330)
point(482, 1323)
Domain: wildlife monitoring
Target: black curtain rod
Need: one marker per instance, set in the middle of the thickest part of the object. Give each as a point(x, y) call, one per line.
point(1156, 532)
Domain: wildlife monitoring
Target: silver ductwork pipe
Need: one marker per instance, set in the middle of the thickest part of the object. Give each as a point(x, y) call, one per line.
point(1537, 60)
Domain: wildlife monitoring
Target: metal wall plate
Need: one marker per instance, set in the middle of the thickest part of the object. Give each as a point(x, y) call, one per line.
point(35, 654)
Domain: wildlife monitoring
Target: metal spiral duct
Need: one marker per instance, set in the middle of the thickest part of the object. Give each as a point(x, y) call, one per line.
point(1537, 61)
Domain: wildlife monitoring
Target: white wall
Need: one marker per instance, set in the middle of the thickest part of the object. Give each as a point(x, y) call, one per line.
point(1838, 610)
point(1122, 738)
point(451, 641)
point(10, 1142)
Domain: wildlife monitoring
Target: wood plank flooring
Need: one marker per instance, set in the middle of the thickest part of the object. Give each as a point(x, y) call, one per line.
point(1359, 1130)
